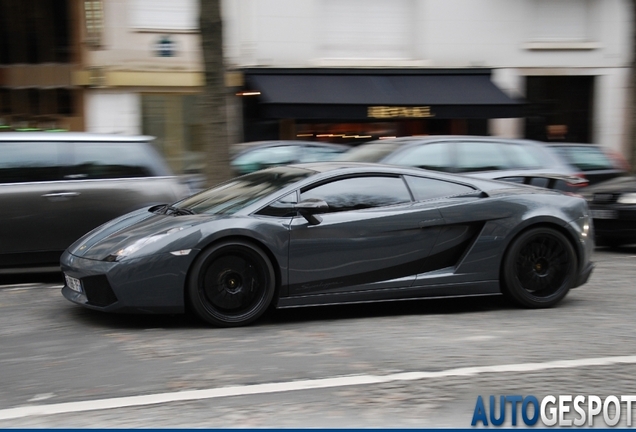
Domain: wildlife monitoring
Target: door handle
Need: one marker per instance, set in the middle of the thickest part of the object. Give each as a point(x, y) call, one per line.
point(61, 195)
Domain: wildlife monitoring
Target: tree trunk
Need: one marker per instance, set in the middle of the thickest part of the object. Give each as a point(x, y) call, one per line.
point(632, 132)
point(214, 106)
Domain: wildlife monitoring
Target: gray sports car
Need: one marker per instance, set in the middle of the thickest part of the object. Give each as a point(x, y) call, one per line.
point(332, 233)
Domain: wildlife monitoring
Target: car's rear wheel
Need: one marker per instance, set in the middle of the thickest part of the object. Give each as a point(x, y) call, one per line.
point(231, 284)
point(539, 268)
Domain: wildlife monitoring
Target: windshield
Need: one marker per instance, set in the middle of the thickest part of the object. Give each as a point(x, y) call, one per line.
point(373, 152)
point(238, 193)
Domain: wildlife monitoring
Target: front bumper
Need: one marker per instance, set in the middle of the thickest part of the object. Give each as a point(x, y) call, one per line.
point(150, 284)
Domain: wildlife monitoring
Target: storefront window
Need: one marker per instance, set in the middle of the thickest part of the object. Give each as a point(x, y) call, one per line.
point(559, 108)
point(345, 133)
point(356, 133)
point(175, 121)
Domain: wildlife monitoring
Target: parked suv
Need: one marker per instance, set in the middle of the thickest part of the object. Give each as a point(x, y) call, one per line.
point(55, 187)
point(488, 157)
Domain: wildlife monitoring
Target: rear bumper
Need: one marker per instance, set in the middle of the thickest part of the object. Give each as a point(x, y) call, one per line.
point(584, 275)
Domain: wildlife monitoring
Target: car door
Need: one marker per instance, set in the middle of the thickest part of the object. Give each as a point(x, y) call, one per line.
point(465, 210)
point(32, 197)
point(373, 237)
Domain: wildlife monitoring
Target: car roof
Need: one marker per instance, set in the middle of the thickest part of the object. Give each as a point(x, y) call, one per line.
point(71, 136)
point(434, 138)
point(322, 167)
point(319, 171)
point(569, 144)
point(246, 146)
point(371, 167)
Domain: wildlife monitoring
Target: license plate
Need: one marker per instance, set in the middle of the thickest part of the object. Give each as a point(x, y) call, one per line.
point(73, 283)
point(603, 214)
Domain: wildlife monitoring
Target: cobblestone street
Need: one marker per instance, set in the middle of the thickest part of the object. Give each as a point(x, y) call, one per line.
point(54, 352)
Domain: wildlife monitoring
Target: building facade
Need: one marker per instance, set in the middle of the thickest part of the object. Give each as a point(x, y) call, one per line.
point(566, 61)
point(142, 73)
point(39, 52)
point(328, 70)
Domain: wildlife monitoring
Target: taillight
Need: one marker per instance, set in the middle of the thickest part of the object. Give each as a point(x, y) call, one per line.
point(618, 159)
point(580, 175)
point(577, 180)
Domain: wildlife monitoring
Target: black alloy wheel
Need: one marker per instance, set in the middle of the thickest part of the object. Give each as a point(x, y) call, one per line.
point(539, 268)
point(231, 284)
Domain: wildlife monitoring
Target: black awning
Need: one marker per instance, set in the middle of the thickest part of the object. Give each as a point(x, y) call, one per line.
point(379, 94)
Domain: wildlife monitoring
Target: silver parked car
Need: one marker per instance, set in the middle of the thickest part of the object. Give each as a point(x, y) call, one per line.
point(56, 187)
point(478, 156)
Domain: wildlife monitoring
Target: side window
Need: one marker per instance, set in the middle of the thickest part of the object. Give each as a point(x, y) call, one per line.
point(519, 180)
point(22, 162)
point(267, 156)
point(94, 160)
point(318, 154)
point(481, 156)
point(524, 156)
point(540, 182)
point(425, 188)
point(282, 207)
point(434, 156)
point(587, 158)
point(360, 193)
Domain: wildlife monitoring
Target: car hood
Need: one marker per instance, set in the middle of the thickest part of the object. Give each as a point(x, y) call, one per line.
point(619, 184)
point(133, 227)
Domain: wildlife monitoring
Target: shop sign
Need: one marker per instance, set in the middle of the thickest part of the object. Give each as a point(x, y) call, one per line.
point(384, 112)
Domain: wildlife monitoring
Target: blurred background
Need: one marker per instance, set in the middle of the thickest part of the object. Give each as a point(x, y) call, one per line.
point(203, 76)
point(333, 71)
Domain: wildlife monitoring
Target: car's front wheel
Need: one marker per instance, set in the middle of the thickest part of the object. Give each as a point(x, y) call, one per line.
point(231, 284)
point(539, 268)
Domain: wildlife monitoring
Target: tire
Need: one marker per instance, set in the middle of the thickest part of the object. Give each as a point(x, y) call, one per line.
point(231, 284)
point(539, 268)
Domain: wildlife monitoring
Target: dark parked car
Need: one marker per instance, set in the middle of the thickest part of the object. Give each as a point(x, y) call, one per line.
point(613, 208)
point(55, 187)
point(333, 233)
point(486, 157)
point(593, 162)
point(252, 156)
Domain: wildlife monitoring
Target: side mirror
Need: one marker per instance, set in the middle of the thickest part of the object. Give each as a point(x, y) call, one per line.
point(310, 207)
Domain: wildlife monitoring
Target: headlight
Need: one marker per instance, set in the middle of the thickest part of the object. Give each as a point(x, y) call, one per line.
point(138, 244)
point(627, 198)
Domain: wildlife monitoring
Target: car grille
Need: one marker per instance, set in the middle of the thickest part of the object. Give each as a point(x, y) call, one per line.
point(605, 198)
point(98, 290)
